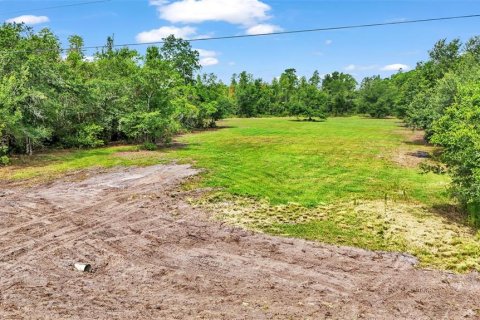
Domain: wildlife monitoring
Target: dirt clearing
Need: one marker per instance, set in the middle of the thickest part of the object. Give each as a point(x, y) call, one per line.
point(154, 256)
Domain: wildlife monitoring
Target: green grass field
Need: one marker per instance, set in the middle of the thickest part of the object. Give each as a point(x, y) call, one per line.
point(311, 163)
point(346, 181)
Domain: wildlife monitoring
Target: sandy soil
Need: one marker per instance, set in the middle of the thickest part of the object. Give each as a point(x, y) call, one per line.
point(156, 257)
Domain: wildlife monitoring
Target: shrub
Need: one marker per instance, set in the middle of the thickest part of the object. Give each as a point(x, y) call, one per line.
point(148, 127)
point(148, 146)
point(4, 159)
point(89, 136)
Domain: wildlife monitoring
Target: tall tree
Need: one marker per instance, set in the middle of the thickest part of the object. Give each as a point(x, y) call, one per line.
point(185, 60)
point(341, 91)
point(377, 97)
point(245, 95)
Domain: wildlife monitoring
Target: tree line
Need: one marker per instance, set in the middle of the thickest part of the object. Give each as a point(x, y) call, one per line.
point(442, 97)
point(291, 95)
point(49, 98)
point(52, 98)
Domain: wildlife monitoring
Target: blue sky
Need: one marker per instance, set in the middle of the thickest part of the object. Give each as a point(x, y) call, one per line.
point(361, 52)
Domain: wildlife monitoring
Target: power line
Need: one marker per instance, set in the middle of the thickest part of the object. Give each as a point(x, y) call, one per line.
point(358, 26)
point(345, 27)
point(56, 7)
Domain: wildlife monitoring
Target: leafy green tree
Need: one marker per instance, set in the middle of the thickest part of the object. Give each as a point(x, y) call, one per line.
point(288, 84)
point(113, 88)
point(340, 88)
point(245, 95)
point(150, 117)
point(377, 97)
point(408, 85)
point(75, 52)
point(445, 54)
point(315, 80)
point(148, 127)
point(69, 101)
point(309, 101)
point(211, 100)
point(473, 47)
point(458, 132)
point(30, 72)
point(185, 60)
point(10, 115)
point(276, 106)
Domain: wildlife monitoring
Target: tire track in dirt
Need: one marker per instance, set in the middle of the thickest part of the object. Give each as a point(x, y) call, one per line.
point(154, 256)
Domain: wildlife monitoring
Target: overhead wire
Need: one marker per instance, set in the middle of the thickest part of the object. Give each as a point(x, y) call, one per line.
point(233, 37)
point(358, 26)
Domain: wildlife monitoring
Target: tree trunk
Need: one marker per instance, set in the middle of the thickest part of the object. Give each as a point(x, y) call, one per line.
point(29, 147)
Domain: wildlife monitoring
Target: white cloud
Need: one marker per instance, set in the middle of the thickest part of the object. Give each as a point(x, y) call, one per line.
point(395, 67)
point(29, 19)
point(208, 57)
point(163, 32)
point(206, 53)
point(390, 67)
point(240, 12)
point(157, 2)
point(350, 67)
point(263, 29)
point(208, 61)
point(328, 42)
point(354, 67)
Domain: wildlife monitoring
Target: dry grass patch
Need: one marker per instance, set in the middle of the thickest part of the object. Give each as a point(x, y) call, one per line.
point(436, 240)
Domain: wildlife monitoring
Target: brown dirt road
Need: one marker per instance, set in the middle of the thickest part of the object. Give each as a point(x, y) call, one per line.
point(156, 257)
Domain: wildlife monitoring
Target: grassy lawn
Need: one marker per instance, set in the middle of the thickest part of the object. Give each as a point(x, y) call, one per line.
point(311, 163)
point(346, 181)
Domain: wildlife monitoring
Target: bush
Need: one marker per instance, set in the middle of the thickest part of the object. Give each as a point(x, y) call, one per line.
point(148, 127)
point(4, 159)
point(89, 136)
point(148, 146)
